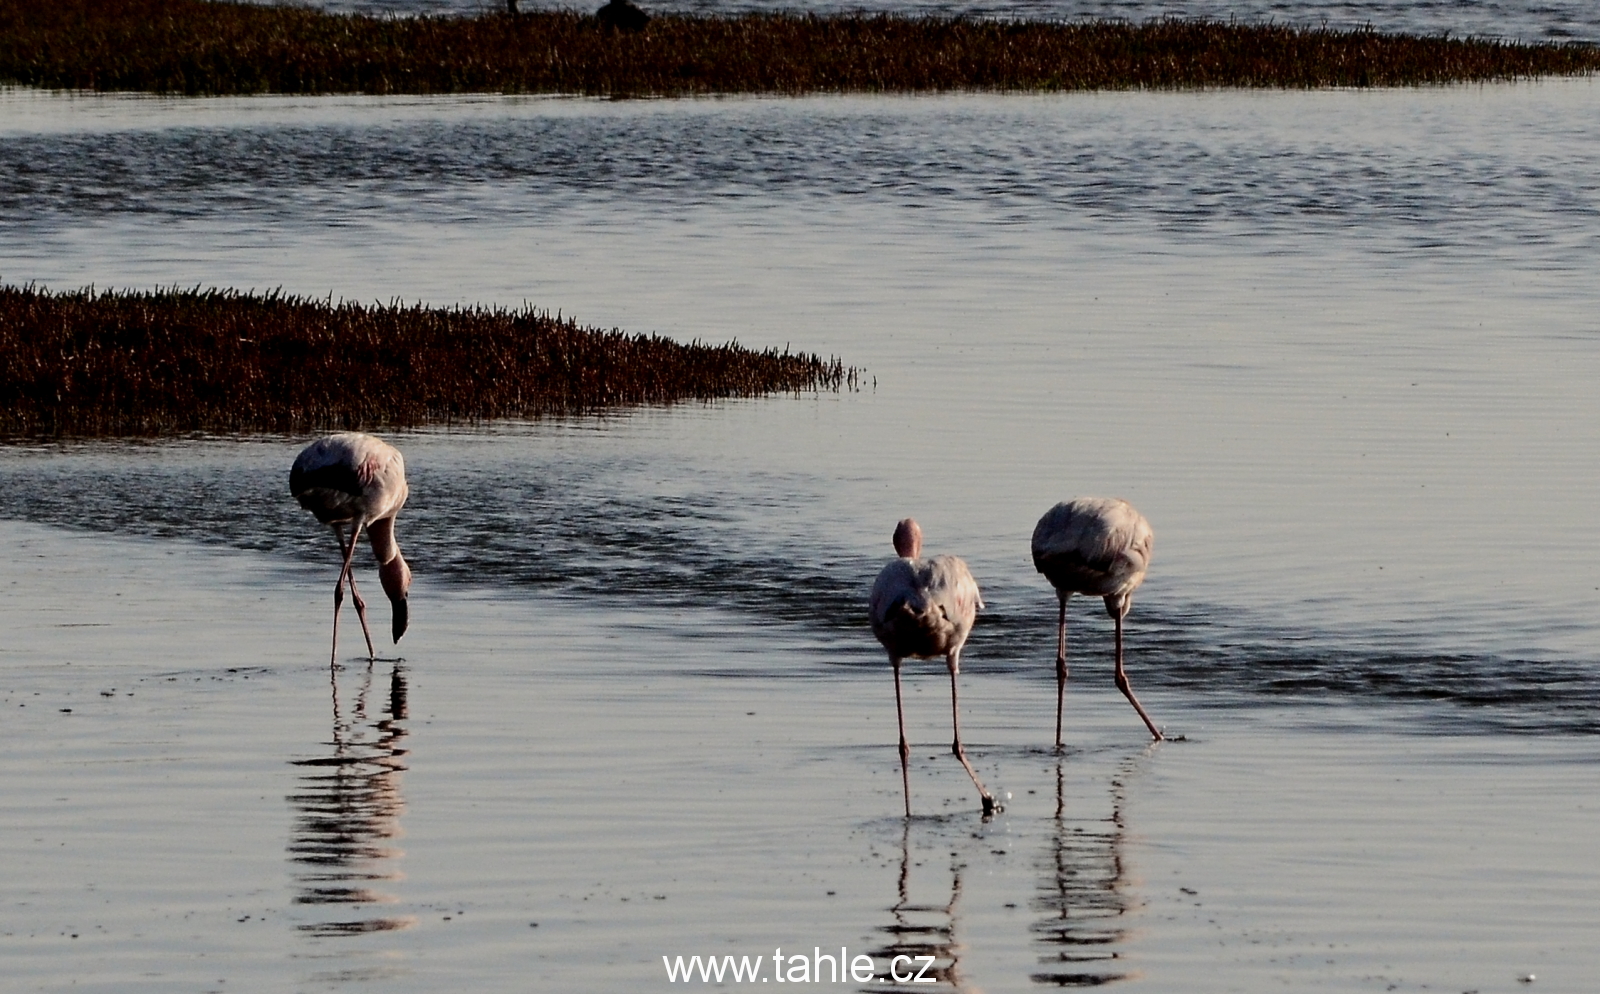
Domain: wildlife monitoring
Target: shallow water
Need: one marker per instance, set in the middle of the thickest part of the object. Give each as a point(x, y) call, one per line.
point(1344, 383)
point(1337, 346)
point(544, 796)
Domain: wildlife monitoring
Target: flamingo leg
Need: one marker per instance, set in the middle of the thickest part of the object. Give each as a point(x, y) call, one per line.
point(338, 591)
point(355, 595)
point(955, 747)
point(905, 750)
point(1127, 689)
point(1061, 661)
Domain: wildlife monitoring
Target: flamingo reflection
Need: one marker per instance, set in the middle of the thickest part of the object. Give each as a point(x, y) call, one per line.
point(1084, 895)
point(919, 932)
point(348, 812)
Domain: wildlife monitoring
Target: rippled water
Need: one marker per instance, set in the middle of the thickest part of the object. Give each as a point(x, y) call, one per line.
point(1338, 346)
point(545, 796)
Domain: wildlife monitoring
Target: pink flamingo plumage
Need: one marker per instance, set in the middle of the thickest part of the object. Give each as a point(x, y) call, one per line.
point(925, 608)
point(358, 480)
point(1098, 546)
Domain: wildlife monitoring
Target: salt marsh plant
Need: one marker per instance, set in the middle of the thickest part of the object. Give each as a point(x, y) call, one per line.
point(156, 363)
point(207, 47)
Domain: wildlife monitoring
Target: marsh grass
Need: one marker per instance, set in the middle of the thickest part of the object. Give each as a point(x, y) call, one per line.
point(205, 47)
point(92, 363)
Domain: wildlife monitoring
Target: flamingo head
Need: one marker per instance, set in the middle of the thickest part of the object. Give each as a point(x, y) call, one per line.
point(908, 539)
point(396, 578)
point(1117, 605)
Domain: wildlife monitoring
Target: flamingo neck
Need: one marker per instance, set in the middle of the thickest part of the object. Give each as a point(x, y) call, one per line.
point(384, 547)
point(392, 568)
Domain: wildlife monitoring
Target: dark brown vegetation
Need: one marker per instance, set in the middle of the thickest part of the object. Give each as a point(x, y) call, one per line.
point(205, 47)
point(88, 363)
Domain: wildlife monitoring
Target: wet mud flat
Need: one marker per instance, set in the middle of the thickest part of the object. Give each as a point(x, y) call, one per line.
point(551, 793)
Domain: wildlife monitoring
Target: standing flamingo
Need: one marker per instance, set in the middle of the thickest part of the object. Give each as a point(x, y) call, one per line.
point(1098, 546)
point(357, 480)
point(925, 608)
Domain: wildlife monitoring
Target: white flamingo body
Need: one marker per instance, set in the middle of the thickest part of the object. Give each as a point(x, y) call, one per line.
point(925, 608)
point(347, 476)
point(360, 481)
point(1099, 546)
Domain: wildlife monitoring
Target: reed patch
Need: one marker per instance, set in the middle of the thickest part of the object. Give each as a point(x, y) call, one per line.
point(207, 47)
point(90, 363)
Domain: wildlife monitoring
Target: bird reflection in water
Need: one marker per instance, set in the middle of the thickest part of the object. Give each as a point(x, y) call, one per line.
point(920, 931)
point(348, 811)
point(1083, 893)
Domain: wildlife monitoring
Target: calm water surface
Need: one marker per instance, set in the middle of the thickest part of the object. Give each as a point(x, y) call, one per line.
point(1339, 347)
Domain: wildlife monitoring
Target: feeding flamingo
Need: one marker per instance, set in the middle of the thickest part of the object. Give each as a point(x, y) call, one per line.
point(358, 480)
point(1098, 546)
point(925, 608)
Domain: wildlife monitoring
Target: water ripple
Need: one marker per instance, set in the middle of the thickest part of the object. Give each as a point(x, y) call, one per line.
point(602, 532)
point(1232, 169)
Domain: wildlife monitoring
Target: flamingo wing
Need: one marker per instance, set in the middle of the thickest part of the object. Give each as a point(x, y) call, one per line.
point(924, 607)
point(1095, 545)
point(349, 475)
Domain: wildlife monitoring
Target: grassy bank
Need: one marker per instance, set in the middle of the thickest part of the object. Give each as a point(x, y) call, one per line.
point(131, 364)
point(202, 47)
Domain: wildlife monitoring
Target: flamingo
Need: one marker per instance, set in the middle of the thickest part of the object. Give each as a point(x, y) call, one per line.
point(1098, 546)
point(925, 608)
point(358, 480)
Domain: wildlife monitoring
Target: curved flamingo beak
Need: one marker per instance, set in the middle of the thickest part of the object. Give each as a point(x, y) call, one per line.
point(402, 617)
